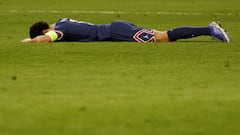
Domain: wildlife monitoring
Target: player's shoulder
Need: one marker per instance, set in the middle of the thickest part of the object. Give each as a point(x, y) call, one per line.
point(62, 23)
point(63, 19)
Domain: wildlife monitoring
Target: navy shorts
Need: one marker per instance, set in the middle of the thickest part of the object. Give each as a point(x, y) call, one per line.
point(125, 31)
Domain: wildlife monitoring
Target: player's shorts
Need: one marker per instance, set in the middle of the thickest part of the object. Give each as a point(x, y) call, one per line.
point(125, 31)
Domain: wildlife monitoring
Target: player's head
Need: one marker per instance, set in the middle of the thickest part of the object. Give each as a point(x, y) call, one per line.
point(37, 29)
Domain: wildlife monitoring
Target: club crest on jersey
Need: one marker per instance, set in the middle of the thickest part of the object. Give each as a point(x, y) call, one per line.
point(144, 35)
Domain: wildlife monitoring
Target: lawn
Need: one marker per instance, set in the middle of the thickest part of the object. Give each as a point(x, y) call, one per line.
point(189, 87)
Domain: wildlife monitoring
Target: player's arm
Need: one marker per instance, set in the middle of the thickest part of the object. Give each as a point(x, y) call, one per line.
point(38, 39)
point(50, 36)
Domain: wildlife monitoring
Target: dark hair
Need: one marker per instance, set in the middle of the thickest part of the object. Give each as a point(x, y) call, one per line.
point(37, 29)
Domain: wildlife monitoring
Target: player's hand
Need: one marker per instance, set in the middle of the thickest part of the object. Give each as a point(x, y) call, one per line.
point(26, 40)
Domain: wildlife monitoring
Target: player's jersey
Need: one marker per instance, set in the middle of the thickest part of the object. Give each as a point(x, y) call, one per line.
point(72, 30)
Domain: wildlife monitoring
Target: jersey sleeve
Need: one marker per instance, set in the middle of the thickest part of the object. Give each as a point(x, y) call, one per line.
point(53, 35)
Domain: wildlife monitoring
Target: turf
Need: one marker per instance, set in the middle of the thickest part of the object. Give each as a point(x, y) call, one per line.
point(189, 87)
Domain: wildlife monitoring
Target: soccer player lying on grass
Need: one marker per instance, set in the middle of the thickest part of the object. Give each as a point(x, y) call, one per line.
point(70, 30)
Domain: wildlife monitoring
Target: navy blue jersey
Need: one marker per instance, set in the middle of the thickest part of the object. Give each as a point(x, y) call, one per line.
point(72, 30)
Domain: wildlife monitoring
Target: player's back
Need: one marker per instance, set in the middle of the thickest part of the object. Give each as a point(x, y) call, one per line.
point(73, 30)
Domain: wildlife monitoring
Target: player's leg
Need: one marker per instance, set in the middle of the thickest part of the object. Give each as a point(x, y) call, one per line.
point(161, 36)
point(214, 30)
point(187, 32)
point(181, 33)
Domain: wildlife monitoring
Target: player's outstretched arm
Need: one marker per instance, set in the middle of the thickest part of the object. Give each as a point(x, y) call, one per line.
point(38, 39)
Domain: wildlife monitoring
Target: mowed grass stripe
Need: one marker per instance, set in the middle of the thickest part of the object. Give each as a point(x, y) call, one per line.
point(121, 12)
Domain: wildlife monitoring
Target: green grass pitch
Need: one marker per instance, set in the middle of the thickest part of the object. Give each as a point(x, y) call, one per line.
point(190, 87)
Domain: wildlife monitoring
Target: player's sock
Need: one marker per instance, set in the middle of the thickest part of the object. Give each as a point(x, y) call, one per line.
point(187, 32)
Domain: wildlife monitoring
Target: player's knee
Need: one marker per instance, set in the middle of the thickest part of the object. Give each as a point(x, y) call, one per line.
point(161, 36)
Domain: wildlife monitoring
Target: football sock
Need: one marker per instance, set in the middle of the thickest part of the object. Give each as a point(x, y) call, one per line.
point(187, 32)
